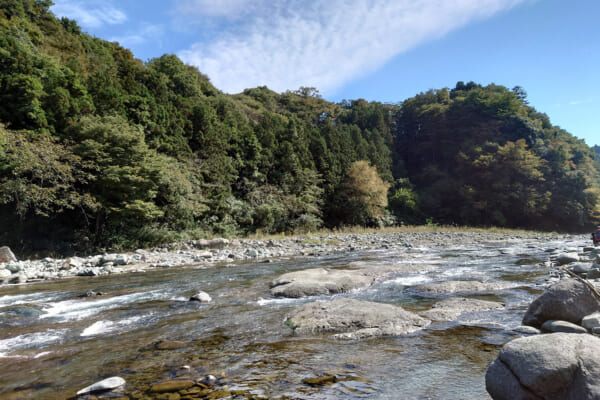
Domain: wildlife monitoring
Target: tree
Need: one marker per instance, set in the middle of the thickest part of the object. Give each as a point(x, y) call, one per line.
point(364, 194)
point(125, 178)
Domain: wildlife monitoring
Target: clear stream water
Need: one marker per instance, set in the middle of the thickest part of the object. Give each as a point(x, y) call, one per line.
point(53, 342)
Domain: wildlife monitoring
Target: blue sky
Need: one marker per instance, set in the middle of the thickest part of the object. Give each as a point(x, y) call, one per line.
point(384, 50)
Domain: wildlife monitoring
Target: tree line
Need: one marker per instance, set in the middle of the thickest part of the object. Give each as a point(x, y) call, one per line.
point(98, 149)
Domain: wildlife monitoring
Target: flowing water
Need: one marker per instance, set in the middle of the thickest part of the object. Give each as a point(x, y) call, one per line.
point(54, 342)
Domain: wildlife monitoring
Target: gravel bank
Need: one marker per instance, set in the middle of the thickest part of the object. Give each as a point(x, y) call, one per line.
point(219, 251)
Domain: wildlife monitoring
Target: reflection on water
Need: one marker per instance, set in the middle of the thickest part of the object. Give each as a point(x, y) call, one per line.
point(53, 342)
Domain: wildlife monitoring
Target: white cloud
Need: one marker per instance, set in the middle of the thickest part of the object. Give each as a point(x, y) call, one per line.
point(218, 8)
point(579, 102)
point(321, 43)
point(142, 34)
point(89, 14)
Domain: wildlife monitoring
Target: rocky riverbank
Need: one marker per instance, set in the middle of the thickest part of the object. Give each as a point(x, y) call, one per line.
point(206, 253)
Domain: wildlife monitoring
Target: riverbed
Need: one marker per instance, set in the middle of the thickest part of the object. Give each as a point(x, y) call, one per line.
point(143, 327)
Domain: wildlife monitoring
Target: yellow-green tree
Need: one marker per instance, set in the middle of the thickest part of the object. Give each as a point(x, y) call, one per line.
point(364, 194)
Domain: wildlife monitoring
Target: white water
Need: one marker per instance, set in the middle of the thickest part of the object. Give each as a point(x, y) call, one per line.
point(30, 341)
point(70, 310)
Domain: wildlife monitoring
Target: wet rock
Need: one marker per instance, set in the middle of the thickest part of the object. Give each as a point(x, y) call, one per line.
point(318, 281)
point(461, 287)
point(202, 297)
point(592, 321)
point(354, 319)
point(527, 330)
point(102, 386)
point(566, 258)
point(450, 309)
point(532, 368)
point(172, 385)
point(593, 273)
point(552, 326)
point(581, 268)
point(568, 300)
point(6, 255)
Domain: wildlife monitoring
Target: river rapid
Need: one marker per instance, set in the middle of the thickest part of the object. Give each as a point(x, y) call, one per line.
point(54, 342)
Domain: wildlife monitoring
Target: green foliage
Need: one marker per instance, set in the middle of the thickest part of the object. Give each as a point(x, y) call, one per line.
point(39, 175)
point(483, 156)
point(98, 148)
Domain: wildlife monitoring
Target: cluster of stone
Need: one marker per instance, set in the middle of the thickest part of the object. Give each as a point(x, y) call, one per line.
point(562, 361)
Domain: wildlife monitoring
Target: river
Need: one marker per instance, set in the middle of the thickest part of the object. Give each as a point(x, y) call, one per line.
point(54, 342)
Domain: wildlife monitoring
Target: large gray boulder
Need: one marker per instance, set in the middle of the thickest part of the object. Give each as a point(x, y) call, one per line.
point(450, 309)
point(567, 300)
point(354, 319)
point(558, 366)
point(318, 281)
point(6, 255)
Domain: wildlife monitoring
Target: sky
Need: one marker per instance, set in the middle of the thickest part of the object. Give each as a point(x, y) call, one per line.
point(378, 50)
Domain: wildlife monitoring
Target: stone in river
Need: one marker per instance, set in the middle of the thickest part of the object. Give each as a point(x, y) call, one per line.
point(172, 385)
point(105, 385)
point(202, 297)
point(568, 300)
point(461, 287)
point(591, 321)
point(553, 366)
point(354, 319)
point(450, 309)
point(562, 326)
point(566, 258)
point(318, 281)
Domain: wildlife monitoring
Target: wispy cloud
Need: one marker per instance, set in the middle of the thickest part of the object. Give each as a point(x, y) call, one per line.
point(141, 35)
point(578, 102)
point(321, 43)
point(229, 9)
point(89, 14)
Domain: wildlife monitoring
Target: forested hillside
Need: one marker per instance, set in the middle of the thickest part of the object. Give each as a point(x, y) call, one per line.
point(100, 149)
